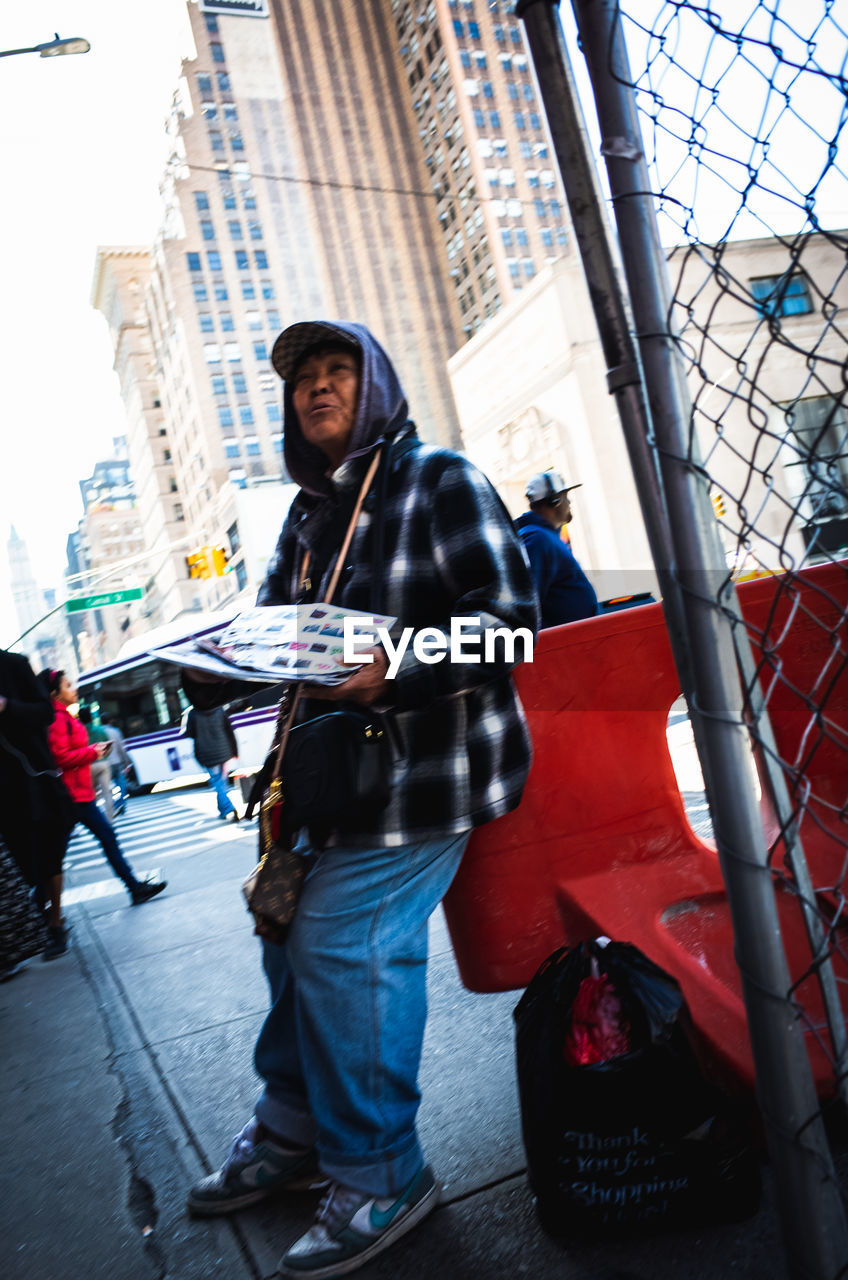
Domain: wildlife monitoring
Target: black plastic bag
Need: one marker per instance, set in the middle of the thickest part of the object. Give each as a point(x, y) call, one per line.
point(636, 1142)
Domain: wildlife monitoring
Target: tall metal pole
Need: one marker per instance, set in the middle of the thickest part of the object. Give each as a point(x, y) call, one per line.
point(811, 1211)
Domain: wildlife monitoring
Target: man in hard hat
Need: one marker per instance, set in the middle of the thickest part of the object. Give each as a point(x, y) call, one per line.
point(565, 593)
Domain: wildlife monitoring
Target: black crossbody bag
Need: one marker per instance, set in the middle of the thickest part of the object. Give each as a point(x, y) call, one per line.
point(333, 770)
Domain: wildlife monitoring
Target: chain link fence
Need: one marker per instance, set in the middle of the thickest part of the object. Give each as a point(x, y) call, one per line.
point(743, 109)
point(721, 127)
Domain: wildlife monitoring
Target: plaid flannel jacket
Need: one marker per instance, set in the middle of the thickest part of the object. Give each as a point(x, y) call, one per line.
point(462, 749)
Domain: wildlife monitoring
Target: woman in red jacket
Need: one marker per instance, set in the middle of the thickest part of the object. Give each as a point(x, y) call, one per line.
point(74, 754)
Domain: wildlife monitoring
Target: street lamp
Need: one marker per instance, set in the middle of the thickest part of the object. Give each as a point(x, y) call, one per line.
point(52, 48)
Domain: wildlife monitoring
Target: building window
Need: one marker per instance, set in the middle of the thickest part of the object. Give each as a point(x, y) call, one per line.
point(229, 200)
point(211, 23)
point(488, 91)
point(495, 119)
point(241, 575)
point(491, 176)
point(217, 51)
point(193, 261)
point(247, 290)
point(555, 208)
point(260, 350)
point(508, 177)
point(273, 412)
point(213, 259)
point(216, 140)
point(562, 235)
point(212, 353)
point(528, 267)
point(242, 261)
point(786, 295)
point(220, 292)
point(465, 58)
point(254, 319)
point(518, 117)
point(277, 443)
point(500, 34)
point(236, 141)
point(474, 30)
point(274, 320)
point(204, 85)
point(458, 28)
point(547, 236)
point(512, 266)
point(206, 325)
point(515, 35)
point(251, 446)
point(529, 95)
point(230, 112)
point(239, 384)
point(506, 236)
point(260, 257)
point(232, 449)
point(234, 538)
point(532, 176)
point(235, 230)
point(232, 351)
point(219, 384)
point(225, 415)
point(223, 82)
point(267, 289)
point(200, 294)
point(255, 230)
point(521, 236)
point(207, 229)
point(541, 208)
point(201, 200)
point(178, 511)
point(245, 415)
point(226, 320)
point(471, 88)
point(209, 111)
point(534, 120)
point(817, 447)
point(479, 119)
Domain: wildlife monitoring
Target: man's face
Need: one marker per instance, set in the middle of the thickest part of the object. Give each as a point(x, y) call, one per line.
point(325, 395)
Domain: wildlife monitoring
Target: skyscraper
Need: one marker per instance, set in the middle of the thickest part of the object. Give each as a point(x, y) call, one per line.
point(384, 161)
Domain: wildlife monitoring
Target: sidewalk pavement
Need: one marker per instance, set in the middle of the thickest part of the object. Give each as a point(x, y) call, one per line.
point(126, 1072)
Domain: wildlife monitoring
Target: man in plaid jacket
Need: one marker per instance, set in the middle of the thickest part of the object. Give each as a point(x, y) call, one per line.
point(340, 1048)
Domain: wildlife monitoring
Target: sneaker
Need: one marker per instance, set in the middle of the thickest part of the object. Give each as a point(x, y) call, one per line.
point(57, 943)
point(351, 1227)
point(147, 889)
point(255, 1169)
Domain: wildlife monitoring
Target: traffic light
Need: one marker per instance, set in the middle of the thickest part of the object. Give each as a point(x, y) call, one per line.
point(717, 499)
point(218, 559)
point(198, 564)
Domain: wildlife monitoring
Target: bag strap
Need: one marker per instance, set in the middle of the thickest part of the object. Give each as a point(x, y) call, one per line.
point(289, 707)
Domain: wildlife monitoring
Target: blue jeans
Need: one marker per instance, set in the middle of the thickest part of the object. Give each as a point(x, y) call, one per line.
point(90, 816)
point(218, 783)
point(119, 778)
point(340, 1048)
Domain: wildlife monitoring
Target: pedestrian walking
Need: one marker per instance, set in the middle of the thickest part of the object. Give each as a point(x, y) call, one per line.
point(565, 593)
point(101, 770)
point(339, 1050)
point(214, 745)
point(119, 761)
point(36, 815)
point(74, 755)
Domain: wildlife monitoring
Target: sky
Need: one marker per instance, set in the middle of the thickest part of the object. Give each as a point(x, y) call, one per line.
point(83, 150)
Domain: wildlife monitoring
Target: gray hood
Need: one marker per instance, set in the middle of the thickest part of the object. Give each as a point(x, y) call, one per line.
point(382, 409)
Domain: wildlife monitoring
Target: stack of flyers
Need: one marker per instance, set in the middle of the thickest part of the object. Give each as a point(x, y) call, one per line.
point(280, 642)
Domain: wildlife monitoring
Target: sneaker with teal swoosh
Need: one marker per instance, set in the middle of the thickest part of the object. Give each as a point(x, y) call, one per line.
point(255, 1169)
point(351, 1227)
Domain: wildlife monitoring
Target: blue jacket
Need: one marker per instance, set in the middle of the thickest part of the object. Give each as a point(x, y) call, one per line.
point(565, 593)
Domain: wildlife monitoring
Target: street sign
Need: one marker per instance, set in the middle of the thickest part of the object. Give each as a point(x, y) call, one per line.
point(81, 603)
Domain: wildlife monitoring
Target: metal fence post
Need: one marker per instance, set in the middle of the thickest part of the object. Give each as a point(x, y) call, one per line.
point(811, 1212)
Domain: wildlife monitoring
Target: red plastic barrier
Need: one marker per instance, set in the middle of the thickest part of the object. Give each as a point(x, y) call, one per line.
point(601, 844)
